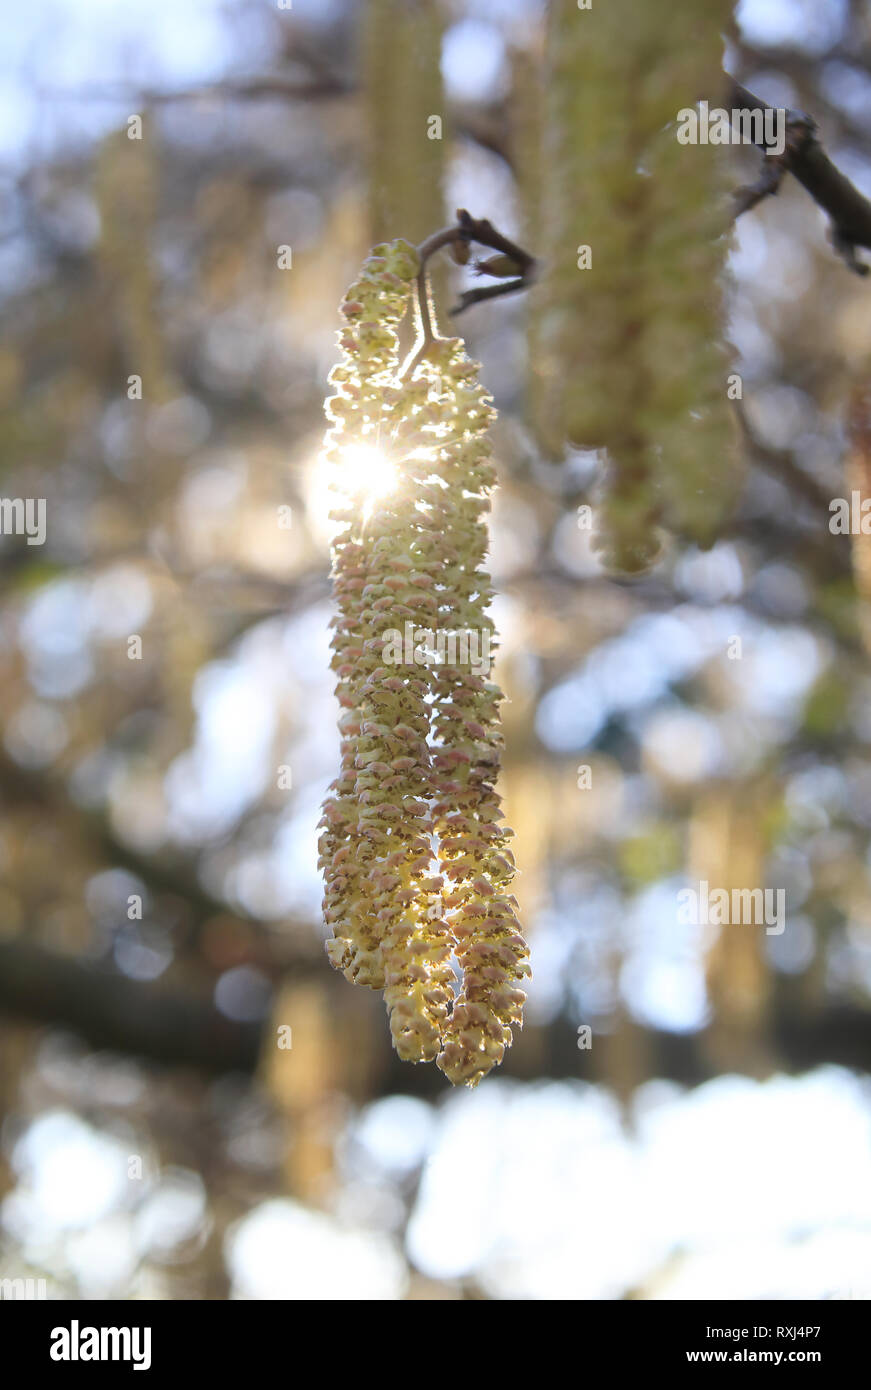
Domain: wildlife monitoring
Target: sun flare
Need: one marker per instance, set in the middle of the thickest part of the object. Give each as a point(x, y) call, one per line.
point(360, 475)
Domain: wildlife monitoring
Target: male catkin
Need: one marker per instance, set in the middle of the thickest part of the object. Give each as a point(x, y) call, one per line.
point(415, 859)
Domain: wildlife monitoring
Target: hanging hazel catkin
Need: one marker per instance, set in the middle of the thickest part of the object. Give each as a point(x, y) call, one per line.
point(629, 318)
point(683, 344)
point(414, 856)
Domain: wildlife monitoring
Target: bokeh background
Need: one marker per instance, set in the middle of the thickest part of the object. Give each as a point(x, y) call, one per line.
point(715, 1139)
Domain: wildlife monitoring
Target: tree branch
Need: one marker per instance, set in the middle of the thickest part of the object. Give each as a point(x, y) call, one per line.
point(109, 1010)
point(805, 158)
point(148, 1020)
point(466, 230)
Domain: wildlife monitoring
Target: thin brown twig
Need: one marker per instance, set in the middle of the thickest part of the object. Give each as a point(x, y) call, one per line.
point(466, 229)
point(805, 158)
point(781, 464)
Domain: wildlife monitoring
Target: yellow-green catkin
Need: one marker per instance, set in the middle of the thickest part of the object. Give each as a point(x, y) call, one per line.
point(404, 101)
point(685, 352)
point(126, 190)
point(630, 306)
point(472, 844)
point(414, 856)
point(526, 134)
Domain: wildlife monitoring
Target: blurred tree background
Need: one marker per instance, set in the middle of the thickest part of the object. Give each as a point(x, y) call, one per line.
point(160, 902)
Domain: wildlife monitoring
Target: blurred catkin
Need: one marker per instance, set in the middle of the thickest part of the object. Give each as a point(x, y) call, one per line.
point(401, 64)
point(630, 357)
point(858, 479)
point(125, 185)
point(689, 188)
point(727, 850)
point(527, 115)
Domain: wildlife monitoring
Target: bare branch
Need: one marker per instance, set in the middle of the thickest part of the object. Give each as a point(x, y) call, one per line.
point(466, 230)
point(805, 158)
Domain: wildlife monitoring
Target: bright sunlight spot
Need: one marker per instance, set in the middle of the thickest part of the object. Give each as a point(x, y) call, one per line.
point(364, 474)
